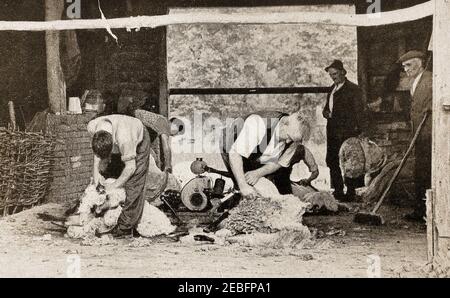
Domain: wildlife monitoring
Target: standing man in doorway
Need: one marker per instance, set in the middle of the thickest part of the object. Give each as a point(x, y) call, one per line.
point(413, 63)
point(345, 113)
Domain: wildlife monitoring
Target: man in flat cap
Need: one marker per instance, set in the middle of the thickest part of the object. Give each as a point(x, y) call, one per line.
point(421, 102)
point(345, 113)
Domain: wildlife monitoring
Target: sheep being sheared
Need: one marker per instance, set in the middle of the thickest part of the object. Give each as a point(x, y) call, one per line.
point(361, 158)
point(99, 212)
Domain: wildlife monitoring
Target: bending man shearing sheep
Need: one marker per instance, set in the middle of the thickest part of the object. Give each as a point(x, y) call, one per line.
point(121, 146)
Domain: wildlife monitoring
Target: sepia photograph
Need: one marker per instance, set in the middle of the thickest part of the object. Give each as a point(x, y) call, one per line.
point(207, 139)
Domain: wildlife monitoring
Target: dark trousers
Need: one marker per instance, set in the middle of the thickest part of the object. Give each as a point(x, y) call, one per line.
point(280, 178)
point(422, 175)
point(134, 187)
point(337, 182)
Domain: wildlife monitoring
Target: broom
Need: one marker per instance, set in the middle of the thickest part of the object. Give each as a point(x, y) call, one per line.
point(372, 218)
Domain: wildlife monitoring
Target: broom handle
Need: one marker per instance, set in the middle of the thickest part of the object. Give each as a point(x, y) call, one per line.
point(402, 163)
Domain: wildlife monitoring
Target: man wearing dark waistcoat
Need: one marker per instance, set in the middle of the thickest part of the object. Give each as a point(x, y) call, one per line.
point(264, 144)
point(345, 113)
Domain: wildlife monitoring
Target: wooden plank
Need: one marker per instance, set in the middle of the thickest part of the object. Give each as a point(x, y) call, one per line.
point(266, 90)
point(385, 18)
point(55, 77)
point(431, 227)
point(441, 123)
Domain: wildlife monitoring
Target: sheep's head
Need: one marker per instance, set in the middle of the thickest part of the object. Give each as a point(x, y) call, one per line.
point(93, 197)
point(110, 200)
point(104, 205)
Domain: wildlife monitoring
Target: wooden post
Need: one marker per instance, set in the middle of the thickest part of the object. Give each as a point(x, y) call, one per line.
point(12, 115)
point(129, 4)
point(363, 67)
point(55, 77)
point(163, 82)
point(363, 52)
point(441, 124)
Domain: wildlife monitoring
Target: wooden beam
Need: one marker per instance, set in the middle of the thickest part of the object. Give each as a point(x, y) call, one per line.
point(441, 124)
point(55, 77)
point(252, 3)
point(363, 20)
point(230, 91)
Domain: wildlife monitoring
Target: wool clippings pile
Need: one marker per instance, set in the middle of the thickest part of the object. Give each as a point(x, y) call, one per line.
point(271, 220)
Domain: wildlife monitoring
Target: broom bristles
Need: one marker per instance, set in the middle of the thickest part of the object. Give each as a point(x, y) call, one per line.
point(368, 219)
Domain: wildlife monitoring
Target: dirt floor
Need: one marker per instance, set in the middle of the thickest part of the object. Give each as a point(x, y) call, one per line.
point(29, 248)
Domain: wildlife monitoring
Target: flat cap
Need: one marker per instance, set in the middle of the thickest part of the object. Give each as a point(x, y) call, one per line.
point(411, 55)
point(337, 64)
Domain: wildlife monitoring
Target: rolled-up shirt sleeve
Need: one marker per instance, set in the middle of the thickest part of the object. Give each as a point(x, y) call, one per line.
point(91, 127)
point(310, 161)
point(128, 151)
point(250, 137)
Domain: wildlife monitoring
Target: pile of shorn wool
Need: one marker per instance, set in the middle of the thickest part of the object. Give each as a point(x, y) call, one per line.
point(270, 213)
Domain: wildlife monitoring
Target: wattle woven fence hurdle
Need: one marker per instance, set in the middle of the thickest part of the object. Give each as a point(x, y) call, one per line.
point(26, 160)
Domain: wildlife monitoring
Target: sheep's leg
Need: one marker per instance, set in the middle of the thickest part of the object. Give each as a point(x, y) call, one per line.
point(73, 209)
point(73, 220)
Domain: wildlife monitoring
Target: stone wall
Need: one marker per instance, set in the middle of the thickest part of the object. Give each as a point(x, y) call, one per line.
point(250, 56)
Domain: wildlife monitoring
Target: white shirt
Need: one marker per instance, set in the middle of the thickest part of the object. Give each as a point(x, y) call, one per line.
point(252, 134)
point(331, 104)
point(127, 133)
point(415, 83)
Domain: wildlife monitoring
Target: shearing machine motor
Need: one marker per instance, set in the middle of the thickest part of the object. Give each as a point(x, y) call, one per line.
point(201, 198)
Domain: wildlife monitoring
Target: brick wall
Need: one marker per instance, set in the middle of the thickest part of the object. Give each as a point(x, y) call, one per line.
point(394, 136)
point(73, 156)
point(381, 78)
point(132, 65)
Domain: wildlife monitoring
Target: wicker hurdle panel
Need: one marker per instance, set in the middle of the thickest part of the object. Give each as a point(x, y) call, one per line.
point(26, 159)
